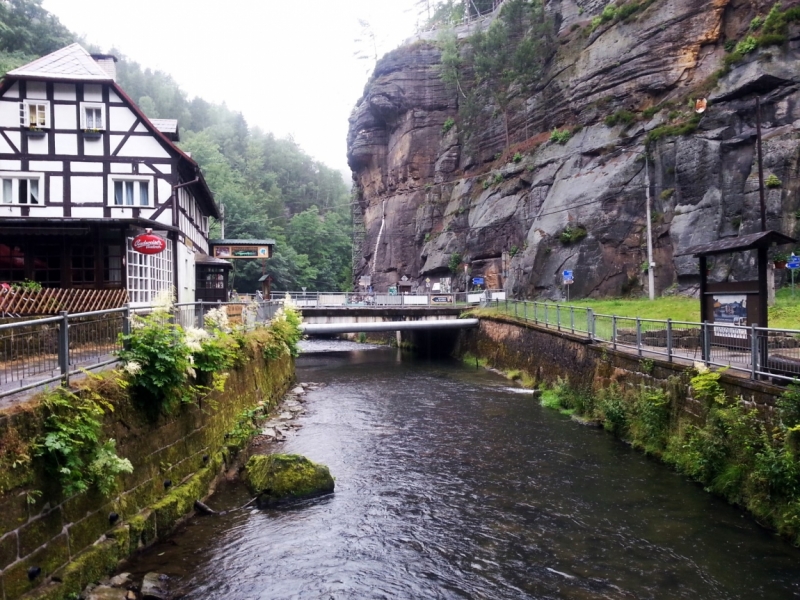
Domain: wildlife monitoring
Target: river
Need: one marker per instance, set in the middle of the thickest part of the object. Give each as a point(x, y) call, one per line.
point(452, 484)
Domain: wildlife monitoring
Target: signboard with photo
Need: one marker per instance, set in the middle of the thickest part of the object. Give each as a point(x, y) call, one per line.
point(732, 309)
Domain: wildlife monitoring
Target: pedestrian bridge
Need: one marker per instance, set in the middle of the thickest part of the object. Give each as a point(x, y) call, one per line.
point(369, 319)
point(382, 326)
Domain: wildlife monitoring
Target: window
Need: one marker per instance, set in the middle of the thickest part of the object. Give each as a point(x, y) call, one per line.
point(112, 264)
point(83, 264)
point(47, 263)
point(93, 116)
point(36, 114)
point(148, 274)
point(131, 192)
point(21, 189)
point(12, 262)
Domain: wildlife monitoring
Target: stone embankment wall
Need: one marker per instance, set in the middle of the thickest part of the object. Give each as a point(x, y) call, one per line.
point(176, 460)
point(547, 354)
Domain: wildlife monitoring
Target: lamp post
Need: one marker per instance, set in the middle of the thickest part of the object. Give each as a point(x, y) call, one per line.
point(651, 282)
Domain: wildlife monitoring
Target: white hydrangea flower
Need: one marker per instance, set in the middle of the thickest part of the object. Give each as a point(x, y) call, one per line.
point(132, 368)
point(218, 317)
point(163, 302)
point(193, 338)
point(700, 368)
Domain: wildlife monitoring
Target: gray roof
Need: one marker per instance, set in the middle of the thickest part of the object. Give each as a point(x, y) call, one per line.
point(205, 259)
point(740, 243)
point(70, 63)
point(168, 127)
point(165, 125)
point(229, 242)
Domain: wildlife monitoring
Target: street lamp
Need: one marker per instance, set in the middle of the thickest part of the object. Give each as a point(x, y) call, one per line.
point(651, 283)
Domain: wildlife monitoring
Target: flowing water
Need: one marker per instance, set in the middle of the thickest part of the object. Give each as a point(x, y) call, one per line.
point(451, 484)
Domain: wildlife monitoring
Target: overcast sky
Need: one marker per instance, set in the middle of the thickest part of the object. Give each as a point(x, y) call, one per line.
point(288, 66)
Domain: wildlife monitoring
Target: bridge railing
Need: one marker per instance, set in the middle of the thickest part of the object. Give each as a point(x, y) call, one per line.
point(36, 352)
point(353, 299)
point(759, 352)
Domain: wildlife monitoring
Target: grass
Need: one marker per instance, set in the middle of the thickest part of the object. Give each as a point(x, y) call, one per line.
point(784, 315)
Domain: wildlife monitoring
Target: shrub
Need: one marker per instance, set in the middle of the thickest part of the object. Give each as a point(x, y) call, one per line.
point(560, 136)
point(455, 262)
point(772, 181)
point(448, 125)
point(771, 39)
point(612, 409)
point(747, 45)
point(570, 235)
point(517, 157)
point(284, 332)
point(667, 194)
point(621, 117)
point(71, 443)
point(158, 361)
point(498, 178)
point(649, 113)
point(686, 128)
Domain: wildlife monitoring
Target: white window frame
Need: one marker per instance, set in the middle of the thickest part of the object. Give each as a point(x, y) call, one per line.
point(138, 181)
point(94, 106)
point(26, 114)
point(148, 274)
point(15, 177)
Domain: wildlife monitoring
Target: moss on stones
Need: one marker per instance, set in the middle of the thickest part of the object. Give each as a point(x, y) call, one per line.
point(279, 478)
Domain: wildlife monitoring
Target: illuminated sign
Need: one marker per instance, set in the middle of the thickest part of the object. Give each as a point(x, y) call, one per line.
point(241, 252)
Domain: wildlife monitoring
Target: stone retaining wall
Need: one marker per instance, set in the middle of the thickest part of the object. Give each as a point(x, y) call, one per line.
point(547, 354)
point(176, 460)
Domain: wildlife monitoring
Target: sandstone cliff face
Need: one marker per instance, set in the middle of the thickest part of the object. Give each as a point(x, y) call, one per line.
point(426, 195)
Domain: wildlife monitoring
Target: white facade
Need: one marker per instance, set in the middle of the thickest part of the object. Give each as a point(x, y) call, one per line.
point(74, 148)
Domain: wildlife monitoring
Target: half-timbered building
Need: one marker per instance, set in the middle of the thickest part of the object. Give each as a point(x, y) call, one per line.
point(82, 172)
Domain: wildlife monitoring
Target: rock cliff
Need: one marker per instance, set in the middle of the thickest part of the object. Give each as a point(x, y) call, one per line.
point(432, 196)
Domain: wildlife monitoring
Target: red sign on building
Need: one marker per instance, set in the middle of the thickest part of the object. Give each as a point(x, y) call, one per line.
point(147, 243)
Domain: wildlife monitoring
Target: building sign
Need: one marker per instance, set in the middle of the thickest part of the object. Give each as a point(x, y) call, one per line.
point(147, 243)
point(442, 299)
point(732, 309)
point(229, 252)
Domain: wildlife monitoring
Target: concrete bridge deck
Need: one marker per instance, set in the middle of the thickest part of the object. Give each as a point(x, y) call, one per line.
point(358, 319)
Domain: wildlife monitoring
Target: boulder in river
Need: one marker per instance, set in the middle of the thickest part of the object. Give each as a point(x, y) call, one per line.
point(154, 587)
point(279, 478)
point(104, 592)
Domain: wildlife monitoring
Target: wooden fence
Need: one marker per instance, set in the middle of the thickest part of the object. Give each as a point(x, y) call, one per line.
point(15, 302)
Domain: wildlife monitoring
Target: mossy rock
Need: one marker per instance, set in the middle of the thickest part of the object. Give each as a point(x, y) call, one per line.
point(280, 478)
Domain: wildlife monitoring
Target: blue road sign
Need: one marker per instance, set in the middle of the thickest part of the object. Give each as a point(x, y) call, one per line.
point(793, 262)
point(478, 281)
point(567, 274)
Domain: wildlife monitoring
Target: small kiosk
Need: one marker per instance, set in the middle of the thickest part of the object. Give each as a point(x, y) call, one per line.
point(736, 302)
point(213, 272)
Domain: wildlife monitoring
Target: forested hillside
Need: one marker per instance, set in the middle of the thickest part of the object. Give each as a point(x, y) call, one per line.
point(269, 187)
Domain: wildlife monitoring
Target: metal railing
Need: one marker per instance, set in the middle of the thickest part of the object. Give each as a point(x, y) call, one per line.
point(759, 352)
point(37, 352)
point(356, 299)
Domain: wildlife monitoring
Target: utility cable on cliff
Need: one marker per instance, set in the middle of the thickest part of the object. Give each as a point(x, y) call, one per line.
point(378, 241)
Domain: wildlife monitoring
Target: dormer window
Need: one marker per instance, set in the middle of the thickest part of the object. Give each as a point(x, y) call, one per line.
point(36, 114)
point(93, 116)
